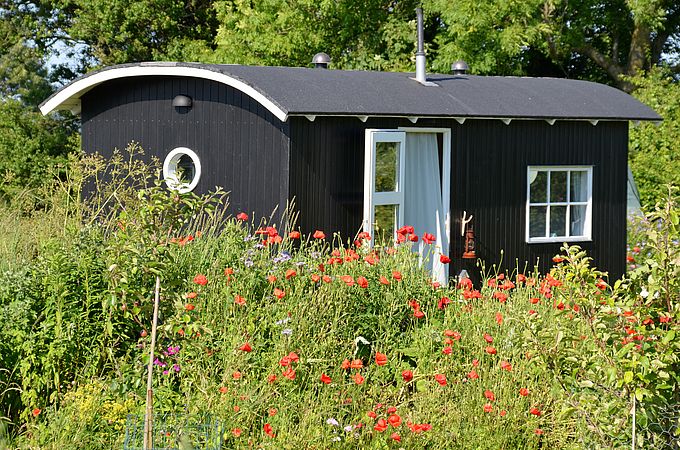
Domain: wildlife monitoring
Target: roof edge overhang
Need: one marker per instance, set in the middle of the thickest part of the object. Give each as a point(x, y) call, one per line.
point(68, 97)
point(311, 116)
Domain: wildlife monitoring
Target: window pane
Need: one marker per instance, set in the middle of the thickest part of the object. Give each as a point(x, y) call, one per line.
point(558, 186)
point(537, 221)
point(558, 221)
point(186, 171)
point(385, 222)
point(538, 187)
point(579, 186)
point(578, 220)
point(386, 166)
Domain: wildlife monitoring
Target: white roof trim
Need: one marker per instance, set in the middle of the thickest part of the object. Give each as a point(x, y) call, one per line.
point(69, 96)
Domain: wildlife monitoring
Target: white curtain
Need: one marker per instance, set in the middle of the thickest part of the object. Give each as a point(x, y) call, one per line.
point(423, 207)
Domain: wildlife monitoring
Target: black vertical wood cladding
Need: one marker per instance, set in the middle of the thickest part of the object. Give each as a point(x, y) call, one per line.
point(242, 146)
point(320, 164)
point(488, 180)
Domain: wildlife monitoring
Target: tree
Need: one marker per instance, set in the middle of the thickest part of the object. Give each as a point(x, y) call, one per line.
point(580, 38)
point(654, 157)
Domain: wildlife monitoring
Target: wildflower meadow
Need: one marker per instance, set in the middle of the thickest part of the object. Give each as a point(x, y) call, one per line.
point(290, 340)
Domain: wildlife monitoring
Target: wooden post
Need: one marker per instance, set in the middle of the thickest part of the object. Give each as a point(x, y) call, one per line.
point(148, 416)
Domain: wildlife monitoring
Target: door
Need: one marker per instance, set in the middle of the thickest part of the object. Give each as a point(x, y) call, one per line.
point(407, 183)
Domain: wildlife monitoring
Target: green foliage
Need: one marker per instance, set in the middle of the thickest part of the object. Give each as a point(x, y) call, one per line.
point(654, 156)
point(32, 147)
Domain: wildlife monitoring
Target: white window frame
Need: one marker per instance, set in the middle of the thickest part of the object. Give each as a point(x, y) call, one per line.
point(587, 225)
point(372, 198)
point(170, 166)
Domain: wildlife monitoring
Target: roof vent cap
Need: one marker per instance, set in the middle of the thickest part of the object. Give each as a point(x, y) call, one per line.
point(321, 60)
point(460, 67)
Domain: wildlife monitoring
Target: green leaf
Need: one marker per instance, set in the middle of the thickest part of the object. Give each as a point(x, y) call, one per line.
point(628, 377)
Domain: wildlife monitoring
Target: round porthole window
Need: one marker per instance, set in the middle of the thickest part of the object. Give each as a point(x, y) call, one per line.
point(182, 169)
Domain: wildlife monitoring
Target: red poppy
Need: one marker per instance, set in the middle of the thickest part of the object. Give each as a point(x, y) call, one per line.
point(503, 413)
point(268, 430)
point(407, 375)
point(372, 414)
point(223, 390)
point(538, 432)
point(443, 302)
point(396, 275)
point(440, 378)
point(473, 375)
point(358, 379)
point(246, 348)
point(418, 314)
point(290, 273)
point(200, 279)
point(501, 296)
point(557, 259)
point(242, 216)
point(488, 408)
point(475, 363)
point(664, 319)
point(239, 300)
point(506, 366)
point(348, 280)
point(499, 318)
point(413, 238)
point(534, 300)
point(345, 364)
point(535, 411)
point(489, 395)
point(395, 437)
point(236, 375)
point(236, 432)
point(325, 379)
point(326, 279)
point(380, 358)
point(384, 280)
point(444, 259)
point(362, 282)
point(289, 373)
point(237, 408)
point(272, 412)
point(491, 350)
point(278, 293)
point(319, 235)
point(524, 392)
point(356, 364)
point(36, 412)
point(381, 425)
point(394, 420)
point(488, 338)
point(294, 235)
point(192, 295)
point(406, 229)
point(285, 361)
point(189, 307)
point(429, 238)
point(293, 357)
point(391, 410)
point(271, 378)
point(447, 350)
point(521, 278)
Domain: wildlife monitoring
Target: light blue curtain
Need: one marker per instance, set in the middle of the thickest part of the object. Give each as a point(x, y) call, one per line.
point(423, 208)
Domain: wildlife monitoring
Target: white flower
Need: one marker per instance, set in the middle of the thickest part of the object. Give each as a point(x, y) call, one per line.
point(332, 421)
point(644, 293)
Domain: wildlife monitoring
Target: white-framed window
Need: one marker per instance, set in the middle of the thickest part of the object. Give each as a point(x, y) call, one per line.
point(559, 203)
point(182, 169)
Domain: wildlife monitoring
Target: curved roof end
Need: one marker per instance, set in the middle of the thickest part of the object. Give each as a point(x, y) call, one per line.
point(68, 97)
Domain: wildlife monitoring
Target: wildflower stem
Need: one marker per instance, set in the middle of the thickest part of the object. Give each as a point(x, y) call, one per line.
point(148, 419)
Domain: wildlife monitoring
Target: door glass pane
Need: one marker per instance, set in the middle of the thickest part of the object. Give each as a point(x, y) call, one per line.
point(385, 222)
point(538, 186)
point(558, 187)
point(386, 166)
point(579, 186)
point(558, 221)
point(537, 221)
point(578, 220)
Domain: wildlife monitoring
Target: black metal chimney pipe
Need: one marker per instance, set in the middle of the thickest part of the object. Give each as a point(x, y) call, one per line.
point(420, 54)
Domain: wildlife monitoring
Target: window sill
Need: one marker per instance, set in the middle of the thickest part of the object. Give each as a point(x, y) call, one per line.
point(559, 240)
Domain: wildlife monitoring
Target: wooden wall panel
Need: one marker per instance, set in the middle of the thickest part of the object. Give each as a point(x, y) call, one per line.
point(242, 146)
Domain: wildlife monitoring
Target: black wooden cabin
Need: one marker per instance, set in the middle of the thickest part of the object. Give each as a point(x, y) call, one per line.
point(535, 161)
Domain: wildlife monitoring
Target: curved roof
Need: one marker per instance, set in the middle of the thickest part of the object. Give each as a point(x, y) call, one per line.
point(291, 91)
